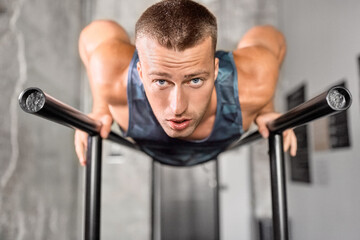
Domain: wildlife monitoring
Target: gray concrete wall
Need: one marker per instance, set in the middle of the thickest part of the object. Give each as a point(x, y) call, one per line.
point(39, 192)
point(38, 169)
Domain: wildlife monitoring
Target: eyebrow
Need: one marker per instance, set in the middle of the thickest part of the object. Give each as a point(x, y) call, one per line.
point(161, 74)
point(164, 74)
point(206, 73)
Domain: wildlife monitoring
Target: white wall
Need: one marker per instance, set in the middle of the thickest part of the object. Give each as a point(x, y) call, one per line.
point(323, 39)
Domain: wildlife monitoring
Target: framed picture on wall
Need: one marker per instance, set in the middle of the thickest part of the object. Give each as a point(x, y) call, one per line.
point(299, 165)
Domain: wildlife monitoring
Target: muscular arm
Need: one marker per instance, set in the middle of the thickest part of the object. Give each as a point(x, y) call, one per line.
point(106, 52)
point(258, 58)
point(273, 42)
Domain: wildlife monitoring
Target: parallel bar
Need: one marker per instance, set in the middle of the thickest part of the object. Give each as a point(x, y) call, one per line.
point(335, 100)
point(157, 172)
point(217, 201)
point(278, 187)
point(93, 189)
point(35, 101)
point(248, 139)
point(332, 101)
point(152, 220)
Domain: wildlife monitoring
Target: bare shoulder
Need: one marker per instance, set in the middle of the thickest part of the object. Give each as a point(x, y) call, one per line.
point(258, 71)
point(99, 32)
point(109, 64)
point(106, 52)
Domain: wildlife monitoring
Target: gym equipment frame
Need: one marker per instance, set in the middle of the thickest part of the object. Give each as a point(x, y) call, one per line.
point(35, 101)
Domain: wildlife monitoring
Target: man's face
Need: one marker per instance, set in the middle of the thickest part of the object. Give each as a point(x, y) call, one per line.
point(178, 85)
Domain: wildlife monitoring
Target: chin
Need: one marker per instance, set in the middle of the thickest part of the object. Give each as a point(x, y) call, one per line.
point(179, 134)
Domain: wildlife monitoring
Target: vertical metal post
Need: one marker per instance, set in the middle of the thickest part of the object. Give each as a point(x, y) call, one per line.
point(278, 187)
point(152, 237)
point(93, 188)
point(156, 201)
point(217, 200)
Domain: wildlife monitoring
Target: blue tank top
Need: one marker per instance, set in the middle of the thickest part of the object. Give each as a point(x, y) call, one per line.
point(152, 139)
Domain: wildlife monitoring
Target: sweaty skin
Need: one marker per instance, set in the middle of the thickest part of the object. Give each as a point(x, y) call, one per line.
point(179, 84)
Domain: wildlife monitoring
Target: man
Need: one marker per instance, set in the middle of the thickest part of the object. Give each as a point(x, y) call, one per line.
point(178, 98)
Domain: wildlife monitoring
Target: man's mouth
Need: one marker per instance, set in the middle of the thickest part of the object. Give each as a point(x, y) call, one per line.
point(178, 124)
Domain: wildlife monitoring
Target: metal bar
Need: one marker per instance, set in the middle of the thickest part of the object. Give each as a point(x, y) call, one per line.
point(93, 189)
point(335, 100)
point(278, 187)
point(35, 101)
point(155, 235)
point(217, 201)
point(152, 220)
point(248, 139)
point(157, 172)
point(332, 101)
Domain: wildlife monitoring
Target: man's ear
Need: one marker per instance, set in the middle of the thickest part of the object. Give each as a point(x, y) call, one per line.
point(216, 67)
point(138, 66)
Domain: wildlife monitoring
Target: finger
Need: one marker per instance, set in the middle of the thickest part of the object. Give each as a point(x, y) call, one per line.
point(106, 122)
point(79, 149)
point(286, 140)
point(293, 145)
point(80, 146)
point(261, 123)
point(286, 133)
point(263, 130)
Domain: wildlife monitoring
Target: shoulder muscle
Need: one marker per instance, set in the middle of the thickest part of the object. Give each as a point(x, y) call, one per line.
point(108, 67)
point(258, 71)
point(266, 37)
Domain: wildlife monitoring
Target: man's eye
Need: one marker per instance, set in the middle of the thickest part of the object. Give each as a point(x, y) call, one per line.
point(161, 82)
point(196, 82)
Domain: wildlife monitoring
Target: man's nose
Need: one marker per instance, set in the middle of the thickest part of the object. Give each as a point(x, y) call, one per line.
point(178, 102)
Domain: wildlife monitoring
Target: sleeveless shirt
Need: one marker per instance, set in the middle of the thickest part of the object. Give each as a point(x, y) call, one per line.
point(146, 131)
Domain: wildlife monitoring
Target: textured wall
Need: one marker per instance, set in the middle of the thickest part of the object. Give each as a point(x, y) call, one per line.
point(38, 170)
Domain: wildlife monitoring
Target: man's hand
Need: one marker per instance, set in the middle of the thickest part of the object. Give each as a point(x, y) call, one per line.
point(290, 141)
point(81, 137)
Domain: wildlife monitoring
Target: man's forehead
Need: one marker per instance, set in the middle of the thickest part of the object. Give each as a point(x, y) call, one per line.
point(157, 57)
point(196, 73)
